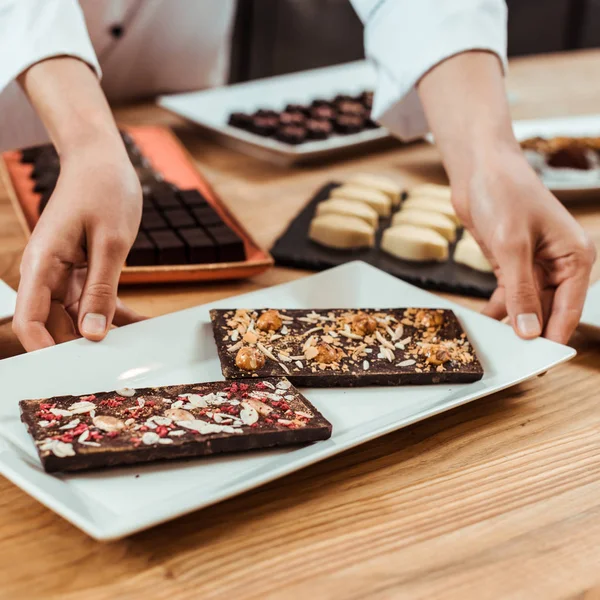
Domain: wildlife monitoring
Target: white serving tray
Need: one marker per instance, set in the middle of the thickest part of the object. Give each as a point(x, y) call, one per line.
point(179, 348)
point(210, 109)
point(590, 319)
point(564, 181)
point(8, 300)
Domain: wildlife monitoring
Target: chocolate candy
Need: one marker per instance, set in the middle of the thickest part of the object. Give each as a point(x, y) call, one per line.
point(347, 347)
point(317, 129)
point(164, 195)
point(178, 218)
point(264, 125)
point(230, 247)
point(291, 134)
point(143, 252)
point(349, 124)
point(192, 198)
point(367, 99)
point(573, 156)
point(153, 220)
point(350, 107)
point(301, 108)
point(175, 222)
point(240, 120)
point(200, 246)
point(292, 118)
point(324, 112)
point(170, 247)
point(206, 216)
point(29, 155)
point(46, 182)
point(267, 122)
point(266, 113)
point(127, 426)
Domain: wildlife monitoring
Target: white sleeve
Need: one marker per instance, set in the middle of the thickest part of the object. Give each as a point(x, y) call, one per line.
point(31, 31)
point(406, 38)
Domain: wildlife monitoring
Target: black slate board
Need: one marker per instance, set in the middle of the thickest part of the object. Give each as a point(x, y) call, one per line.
point(294, 249)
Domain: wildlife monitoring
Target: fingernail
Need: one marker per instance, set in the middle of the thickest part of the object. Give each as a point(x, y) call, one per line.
point(93, 324)
point(528, 325)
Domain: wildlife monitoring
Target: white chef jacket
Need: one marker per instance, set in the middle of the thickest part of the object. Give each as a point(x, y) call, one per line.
point(180, 45)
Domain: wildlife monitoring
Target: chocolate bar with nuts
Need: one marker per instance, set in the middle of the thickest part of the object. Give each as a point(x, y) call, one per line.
point(128, 426)
point(346, 347)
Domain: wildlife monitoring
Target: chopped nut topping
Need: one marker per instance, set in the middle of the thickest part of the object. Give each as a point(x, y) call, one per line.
point(249, 359)
point(363, 324)
point(269, 321)
point(327, 354)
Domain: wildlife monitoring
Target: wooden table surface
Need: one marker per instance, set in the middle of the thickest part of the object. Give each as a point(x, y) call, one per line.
point(493, 500)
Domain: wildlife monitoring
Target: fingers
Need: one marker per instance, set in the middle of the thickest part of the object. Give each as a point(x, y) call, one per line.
point(515, 258)
point(60, 325)
point(567, 308)
point(125, 315)
point(106, 256)
point(496, 306)
point(41, 279)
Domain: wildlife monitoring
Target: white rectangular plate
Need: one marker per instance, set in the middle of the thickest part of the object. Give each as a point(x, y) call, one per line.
point(590, 319)
point(566, 181)
point(8, 299)
point(211, 109)
point(179, 348)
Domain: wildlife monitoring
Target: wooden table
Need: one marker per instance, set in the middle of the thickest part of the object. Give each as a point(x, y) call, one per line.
point(493, 500)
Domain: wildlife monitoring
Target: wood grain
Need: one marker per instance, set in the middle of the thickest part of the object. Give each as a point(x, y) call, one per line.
point(500, 499)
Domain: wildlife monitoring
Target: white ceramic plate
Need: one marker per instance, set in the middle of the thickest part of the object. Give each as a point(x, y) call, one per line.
point(590, 319)
point(567, 181)
point(211, 109)
point(179, 348)
point(8, 299)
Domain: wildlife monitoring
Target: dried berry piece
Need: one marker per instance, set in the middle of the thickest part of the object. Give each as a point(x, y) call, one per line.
point(249, 359)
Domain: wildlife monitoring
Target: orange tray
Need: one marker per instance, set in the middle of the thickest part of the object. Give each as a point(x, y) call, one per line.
point(172, 160)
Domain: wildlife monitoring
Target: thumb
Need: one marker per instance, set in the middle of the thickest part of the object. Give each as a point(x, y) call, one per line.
point(515, 259)
point(99, 295)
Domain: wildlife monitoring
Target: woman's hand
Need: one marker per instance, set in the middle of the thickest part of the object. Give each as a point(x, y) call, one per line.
point(540, 254)
point(72, 263)
point(71, 266)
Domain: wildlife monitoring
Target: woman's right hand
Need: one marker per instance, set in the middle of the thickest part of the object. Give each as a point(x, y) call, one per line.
point(72, 263)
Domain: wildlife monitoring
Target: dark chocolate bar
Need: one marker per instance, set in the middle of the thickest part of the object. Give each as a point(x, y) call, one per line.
point(346, 347)
point(108, 429)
